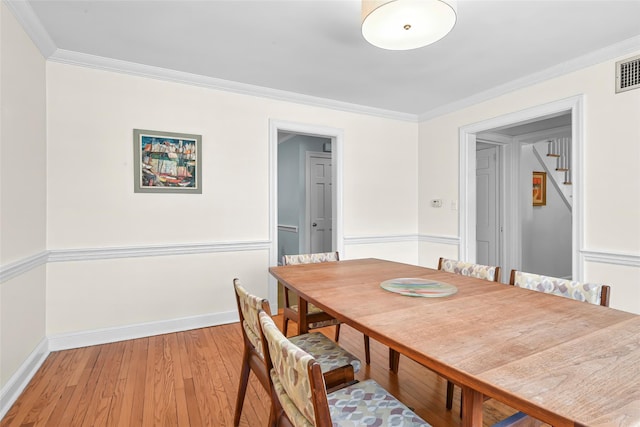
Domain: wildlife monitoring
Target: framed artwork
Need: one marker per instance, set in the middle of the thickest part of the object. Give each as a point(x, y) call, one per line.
point(539, 188)
point(167, 162)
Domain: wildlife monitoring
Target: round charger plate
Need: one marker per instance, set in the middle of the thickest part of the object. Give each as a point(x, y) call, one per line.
point(416, 287)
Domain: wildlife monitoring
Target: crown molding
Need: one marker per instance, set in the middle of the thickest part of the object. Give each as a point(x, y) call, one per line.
point(140, 70)
point(34, 28)
point(607, 53)
point(24, 14)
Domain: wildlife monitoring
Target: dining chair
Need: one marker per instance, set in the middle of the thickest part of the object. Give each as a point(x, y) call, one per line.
point(336, 364)
point(303, 400)
point(479, 271)
point(316, 318)
point(587, 292)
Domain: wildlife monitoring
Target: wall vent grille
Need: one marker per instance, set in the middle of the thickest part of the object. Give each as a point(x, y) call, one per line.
point(628, 74)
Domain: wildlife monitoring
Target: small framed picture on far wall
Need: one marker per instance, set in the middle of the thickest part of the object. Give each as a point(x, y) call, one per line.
point(539, 188)
point(167, 162)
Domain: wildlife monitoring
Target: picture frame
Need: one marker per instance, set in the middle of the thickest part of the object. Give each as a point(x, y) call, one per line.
point(539, 188)
point(167, 162)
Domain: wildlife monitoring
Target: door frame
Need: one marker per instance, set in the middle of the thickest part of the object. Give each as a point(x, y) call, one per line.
point(336, 136)
point(467, 175)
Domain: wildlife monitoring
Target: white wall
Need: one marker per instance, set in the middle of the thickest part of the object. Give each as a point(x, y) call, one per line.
point(611, 158)
point(91, 203)
point(22, 197)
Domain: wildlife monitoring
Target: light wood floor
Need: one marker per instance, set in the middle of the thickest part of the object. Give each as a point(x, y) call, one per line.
point(190, 379)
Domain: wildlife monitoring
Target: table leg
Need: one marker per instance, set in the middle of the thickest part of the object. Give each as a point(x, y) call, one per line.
point(303, 326)
point(472, 407)
point(394, 360)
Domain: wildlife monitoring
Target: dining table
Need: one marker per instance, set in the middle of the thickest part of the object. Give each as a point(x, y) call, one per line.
point(561, 361)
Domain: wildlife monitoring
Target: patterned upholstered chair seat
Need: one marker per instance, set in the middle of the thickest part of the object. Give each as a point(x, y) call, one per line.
point(578, 291)
point(337, 365)
point(329, 355)
point(297, 382)
point(366, 403)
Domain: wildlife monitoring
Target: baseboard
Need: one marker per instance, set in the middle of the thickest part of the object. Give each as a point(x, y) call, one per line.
point(19, 381)
point(129, 332)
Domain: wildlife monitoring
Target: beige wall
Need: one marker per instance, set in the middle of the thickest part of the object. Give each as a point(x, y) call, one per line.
point(22, 193)
point(611, 159)
point(91, 203)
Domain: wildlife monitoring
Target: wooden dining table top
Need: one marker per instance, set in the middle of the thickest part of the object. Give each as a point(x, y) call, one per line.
point(565, 362)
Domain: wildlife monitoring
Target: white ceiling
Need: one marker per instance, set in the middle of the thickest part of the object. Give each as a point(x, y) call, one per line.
point(314, 48)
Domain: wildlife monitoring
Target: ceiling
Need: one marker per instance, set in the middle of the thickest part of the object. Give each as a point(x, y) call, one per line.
point(314, 48)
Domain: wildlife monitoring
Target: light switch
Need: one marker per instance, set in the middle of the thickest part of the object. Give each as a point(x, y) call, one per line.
point(436, 203)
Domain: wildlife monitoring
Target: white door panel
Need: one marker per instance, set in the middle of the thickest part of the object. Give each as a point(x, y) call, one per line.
point(487, 236)
point(321, 222)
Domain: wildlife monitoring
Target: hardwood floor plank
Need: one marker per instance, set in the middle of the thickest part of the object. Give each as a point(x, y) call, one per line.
point(182, 410)
point(133, 404)
point(118, 399)
point(84, 382)
point(164, 402)
point(190, 379)
point(109, 363)
point(195, 418)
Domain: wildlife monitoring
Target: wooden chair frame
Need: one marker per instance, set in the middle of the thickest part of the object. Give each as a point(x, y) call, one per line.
point(253, 361)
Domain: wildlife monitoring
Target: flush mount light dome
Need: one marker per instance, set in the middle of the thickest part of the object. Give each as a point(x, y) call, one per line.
point(406, 24)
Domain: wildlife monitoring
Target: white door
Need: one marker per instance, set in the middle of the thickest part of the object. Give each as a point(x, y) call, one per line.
point(319, 202)
point(487, 223)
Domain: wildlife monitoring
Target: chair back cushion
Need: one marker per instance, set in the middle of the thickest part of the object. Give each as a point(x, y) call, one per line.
point(479, 271)
point(290, 374)
point(551, 285)
point(310, 258)
point(250, 305)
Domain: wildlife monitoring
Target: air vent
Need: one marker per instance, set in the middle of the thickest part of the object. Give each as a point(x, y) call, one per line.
point(628, 74)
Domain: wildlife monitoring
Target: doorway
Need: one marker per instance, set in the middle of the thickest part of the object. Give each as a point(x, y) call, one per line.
point(304, 194)
point(504, 131)
point(291, 224)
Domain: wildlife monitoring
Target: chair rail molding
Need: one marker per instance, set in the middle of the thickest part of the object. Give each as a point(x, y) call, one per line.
point(369, 240)
point(88, 254)
point(17, 268)
point(606, 257)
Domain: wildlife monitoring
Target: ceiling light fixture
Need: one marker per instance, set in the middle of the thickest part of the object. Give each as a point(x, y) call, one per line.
point(406, 24)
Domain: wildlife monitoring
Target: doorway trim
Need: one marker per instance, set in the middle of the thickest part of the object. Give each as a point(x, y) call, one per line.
point(467, 175)
point(337, 146)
